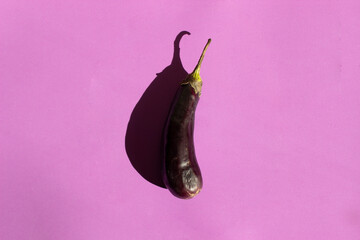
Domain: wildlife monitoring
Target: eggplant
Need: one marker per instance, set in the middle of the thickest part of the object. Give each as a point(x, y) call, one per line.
point(181, 171)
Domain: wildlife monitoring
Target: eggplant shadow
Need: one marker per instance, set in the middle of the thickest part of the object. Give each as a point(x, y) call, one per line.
point(144, 141)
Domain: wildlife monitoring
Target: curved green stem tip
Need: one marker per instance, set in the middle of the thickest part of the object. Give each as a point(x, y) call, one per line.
point(196, 71)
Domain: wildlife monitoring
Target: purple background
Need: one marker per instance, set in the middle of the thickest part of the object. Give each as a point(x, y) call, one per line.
point(277, 129)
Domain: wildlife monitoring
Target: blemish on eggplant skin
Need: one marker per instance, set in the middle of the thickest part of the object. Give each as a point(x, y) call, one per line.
point(190, 180)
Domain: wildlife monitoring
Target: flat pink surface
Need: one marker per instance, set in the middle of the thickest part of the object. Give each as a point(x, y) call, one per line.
point(277, 128)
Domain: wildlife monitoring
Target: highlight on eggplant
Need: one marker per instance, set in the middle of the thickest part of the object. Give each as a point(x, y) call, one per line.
point(181, 171)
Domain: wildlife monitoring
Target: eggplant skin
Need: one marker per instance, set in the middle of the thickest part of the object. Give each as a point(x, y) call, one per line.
point(181, 172)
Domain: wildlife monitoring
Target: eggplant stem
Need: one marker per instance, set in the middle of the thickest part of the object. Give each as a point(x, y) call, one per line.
point(194, 78)
point(196, 72)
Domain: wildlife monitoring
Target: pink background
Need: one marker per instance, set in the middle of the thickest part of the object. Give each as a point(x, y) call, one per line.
point(277, 129)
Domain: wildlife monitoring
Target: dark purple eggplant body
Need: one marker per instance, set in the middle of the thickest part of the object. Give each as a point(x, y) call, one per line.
point(182, 174)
